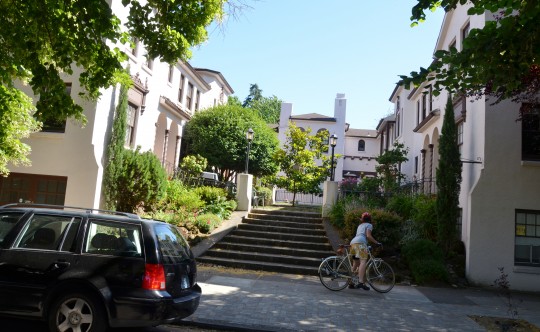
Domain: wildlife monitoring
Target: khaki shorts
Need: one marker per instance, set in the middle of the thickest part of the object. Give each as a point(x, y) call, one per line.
point(359, 250)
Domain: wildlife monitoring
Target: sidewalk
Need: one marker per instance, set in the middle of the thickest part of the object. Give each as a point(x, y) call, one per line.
point(251, 300)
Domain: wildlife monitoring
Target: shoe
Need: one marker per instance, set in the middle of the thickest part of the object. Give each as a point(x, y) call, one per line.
point(353, 286)
point(363, 286)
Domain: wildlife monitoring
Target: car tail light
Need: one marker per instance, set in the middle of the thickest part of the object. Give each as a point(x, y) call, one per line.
point(154, 277)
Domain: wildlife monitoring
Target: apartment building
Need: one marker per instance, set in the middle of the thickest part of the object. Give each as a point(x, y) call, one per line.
point(500, 190)
point(68, 160)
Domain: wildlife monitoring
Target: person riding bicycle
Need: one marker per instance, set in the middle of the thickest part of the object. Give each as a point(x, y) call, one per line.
point(359, 249)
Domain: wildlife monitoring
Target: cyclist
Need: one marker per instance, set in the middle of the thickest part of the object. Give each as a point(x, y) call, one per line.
point(359, 249)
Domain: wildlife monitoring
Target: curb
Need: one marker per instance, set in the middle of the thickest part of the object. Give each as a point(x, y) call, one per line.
point(219, 233)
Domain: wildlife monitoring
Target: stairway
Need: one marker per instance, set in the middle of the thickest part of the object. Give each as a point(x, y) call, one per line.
point(273, 240)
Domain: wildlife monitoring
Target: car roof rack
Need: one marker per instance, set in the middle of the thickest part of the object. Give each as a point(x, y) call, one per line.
point(64, 207)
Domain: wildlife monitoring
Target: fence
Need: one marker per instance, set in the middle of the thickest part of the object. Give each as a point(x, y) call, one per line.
point(284, 196)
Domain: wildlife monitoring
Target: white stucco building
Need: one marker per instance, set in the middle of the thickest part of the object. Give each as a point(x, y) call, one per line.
point(500, 190)
point(68, 161)
point(358, 148)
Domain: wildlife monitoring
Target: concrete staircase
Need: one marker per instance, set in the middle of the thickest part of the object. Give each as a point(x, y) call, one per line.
point(273, 240)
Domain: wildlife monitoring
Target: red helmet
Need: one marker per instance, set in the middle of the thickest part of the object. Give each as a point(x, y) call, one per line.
point(366, 216)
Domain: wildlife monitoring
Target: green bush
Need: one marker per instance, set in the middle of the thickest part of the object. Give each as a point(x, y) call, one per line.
point(210, 195)
point(141, 181)
point(401, 204)
point(425, 260)
point(424, 215)
point(207, 222)
point(180, 198)
point(386, 227)
point(343, 205)
point(265, 193)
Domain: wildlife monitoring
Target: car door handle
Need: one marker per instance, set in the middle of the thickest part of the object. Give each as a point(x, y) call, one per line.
point(59, 265)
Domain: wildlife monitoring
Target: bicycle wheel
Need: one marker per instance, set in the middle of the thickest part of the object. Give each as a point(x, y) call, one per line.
point(334, 273)
point(380, 276)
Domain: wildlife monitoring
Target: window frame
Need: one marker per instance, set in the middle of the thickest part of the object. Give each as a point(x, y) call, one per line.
point(522, 238)
point(361, 145)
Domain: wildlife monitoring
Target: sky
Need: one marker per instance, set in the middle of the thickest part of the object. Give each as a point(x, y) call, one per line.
point(307, 51)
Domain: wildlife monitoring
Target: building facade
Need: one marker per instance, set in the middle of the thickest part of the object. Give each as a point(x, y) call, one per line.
point(357, 148)
point(500, 190)
point(68, 161)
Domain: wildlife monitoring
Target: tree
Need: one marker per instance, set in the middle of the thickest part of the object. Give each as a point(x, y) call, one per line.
point(448, 177)
point(234, 101)
point(254, 94)
point(268, 108)
point(44, 40)
point(501, 60)
point(219, 135)
point(193, 165)
point(387, 168)
point(302, 161)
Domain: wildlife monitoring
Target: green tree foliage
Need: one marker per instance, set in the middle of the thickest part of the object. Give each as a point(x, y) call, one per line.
point(302, 161)
point(193, 165)
point(388, 167)
point(501, 60)
point(115, 150)
point(448, 180)
point(268, 108)
point(44, 40)
point(234, 101)
point(142, 181)
point(255, 93)
point(16, 123)
point(219, 135)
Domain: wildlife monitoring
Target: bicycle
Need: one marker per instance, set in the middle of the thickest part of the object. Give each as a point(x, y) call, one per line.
point(335, 272)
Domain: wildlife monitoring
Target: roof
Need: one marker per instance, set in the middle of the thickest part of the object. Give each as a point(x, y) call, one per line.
point(219, 75)
point(352, 132)
point(313, 117)
point(384, 121)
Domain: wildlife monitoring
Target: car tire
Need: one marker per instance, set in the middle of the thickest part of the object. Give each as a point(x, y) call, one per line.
point(77, 311)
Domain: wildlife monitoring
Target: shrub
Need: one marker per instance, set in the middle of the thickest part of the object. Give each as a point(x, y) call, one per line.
point(424, 215)
point(221, 208)
point(401, 204)
point(386, 227)
point(141, 181)
point(207, 222)
point(265, 193)
point(180, 198)
point(343, 205)
point(352, 220)
point(210, 195)
point(425, 260)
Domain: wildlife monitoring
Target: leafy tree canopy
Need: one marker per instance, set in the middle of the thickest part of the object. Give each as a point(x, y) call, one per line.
point(219, 135)
point(268, 108)
point(303, 161)
point(501, 60)
point(44, 40)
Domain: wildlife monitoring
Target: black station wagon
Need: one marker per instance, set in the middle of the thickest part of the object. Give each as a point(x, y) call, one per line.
point(85, 270)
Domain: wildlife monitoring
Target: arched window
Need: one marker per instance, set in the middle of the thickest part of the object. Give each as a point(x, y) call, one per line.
point(361, 145)
point(326, 137)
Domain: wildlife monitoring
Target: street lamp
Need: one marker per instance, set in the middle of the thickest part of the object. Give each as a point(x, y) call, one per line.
point(249, 137)
point(333, 142)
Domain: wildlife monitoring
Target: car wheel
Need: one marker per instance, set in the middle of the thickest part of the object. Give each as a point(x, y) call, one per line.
point(77, 312)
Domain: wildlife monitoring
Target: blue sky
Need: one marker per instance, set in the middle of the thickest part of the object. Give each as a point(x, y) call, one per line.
point(307, 51)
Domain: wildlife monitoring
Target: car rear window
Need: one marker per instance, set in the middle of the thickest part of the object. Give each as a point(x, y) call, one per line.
point(7, 222)
point(172, 245)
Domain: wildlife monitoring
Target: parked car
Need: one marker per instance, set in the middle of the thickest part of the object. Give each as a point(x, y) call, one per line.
point(85, 270)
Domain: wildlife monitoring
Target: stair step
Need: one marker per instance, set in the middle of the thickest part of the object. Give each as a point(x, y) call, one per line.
point(289, 213)
point(280, 229)
point(281, 236)
point(266, 258)
point(282, 223)
point(268, 216)
point(262, 266)
point(235, 238)
point(273, 250)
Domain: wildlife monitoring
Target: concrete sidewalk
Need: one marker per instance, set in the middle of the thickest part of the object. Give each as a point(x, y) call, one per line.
point(262, 301)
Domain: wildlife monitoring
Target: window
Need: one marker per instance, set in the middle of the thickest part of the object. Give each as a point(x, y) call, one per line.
point(424, 106)
point(189, 95)
point(171, 74)
point(465, 33)
point(181, 89)
point(416, 164)
point(460, 135)
point(530, 134)
point(173, 247)
point(131, 125)
point(7, 222)
point(136, 45)
point(197, 100)
point(49, 232)
point(527, 245)
point(361, 145)
point(149, 62)
point(417, 112)
point(114, 239)
point(56, 125)
point(30, 188)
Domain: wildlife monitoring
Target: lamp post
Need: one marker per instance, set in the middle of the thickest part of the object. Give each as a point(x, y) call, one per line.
point(333, 142)
point(249, 137)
